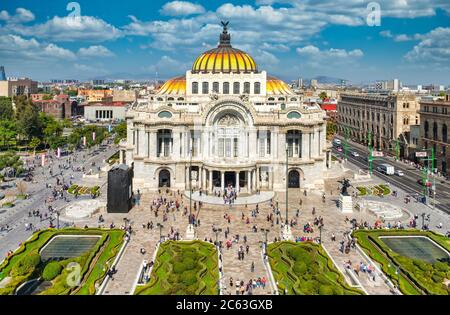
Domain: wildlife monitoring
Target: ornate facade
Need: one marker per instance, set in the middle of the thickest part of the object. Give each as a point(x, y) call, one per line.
point(230, 124)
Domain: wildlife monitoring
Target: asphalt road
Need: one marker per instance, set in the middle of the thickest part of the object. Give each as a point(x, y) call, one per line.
point(408, 182)
point(17, 217)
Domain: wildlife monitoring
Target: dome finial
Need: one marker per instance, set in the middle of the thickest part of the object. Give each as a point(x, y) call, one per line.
point(225, 37)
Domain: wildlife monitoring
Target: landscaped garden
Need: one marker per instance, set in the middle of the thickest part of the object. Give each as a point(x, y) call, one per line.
point(50, 254)
point(410, 259)
point(184, 268)
point(305, 269)
point(376, 190)
point(83, 190)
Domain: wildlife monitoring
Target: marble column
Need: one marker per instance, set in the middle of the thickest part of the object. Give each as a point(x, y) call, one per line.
point(210, 180)
point(249, 182)
point(121, 159)
point(258, 182)
point(222, 180)
point(254, 180)
point(237, 181)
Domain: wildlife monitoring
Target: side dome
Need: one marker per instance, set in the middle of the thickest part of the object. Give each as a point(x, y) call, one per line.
point(224, 58)
point(174, 86)
point(275, 86)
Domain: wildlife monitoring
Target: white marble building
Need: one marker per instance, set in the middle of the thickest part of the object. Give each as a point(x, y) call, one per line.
point(231, 124)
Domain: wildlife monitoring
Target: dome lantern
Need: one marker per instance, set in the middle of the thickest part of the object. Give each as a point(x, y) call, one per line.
point(224, 58)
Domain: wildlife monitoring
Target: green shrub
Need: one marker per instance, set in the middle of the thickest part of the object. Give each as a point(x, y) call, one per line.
point(325, 290)
point(441, 266)
point(189, 264)
point(26, 265)
point(188, 278)
point(178, 267)
point(51, 270)
point(300, 267)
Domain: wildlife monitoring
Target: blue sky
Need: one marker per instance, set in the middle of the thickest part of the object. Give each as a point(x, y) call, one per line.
point(143, 39)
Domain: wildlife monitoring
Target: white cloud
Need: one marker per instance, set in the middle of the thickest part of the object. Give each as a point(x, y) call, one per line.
point(69, 29)
point(167, 66)
point(434, 48)
point(176, 8)
point(386, 33)
point(326, 58)
point(95, 51)
point(21, 16)
point(13, 46)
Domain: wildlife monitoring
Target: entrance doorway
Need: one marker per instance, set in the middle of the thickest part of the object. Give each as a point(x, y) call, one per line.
point(230, 179)
point(164, 178)
point(294, 179)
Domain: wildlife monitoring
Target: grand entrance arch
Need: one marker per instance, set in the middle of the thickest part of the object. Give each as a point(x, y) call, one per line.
point(164, 178)
point(294, 179)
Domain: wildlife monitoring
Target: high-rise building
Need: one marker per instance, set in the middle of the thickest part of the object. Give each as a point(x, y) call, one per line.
point(2, 73)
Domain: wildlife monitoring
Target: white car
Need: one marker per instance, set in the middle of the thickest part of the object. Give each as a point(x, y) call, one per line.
point(355, 154)
point(399, 173)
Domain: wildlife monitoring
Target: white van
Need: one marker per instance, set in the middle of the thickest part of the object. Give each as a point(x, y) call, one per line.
point(386, 169)
point(337, 142)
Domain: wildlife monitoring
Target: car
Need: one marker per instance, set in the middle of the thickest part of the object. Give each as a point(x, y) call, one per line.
point(339, 149)
point(355, 154)
point(399, 173)
point(420, 182)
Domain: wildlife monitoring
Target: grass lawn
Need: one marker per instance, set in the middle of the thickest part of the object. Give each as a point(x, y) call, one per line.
point(91, 264)
point(184, 268)
point(306, 269)
point(416, 276)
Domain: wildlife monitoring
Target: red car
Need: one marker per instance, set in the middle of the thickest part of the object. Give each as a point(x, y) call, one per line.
point(420, 181)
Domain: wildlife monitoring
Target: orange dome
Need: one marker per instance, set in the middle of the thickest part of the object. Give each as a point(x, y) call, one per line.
point(275, 86)
point(224, 58)
point(175, 86)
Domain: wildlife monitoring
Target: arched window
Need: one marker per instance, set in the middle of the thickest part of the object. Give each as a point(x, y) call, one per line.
point(246, 87)
point(160, 99)
point(215, 88)
point(257, 88)
point(226, 88)
point(271, 99)
point(205, 87)
point(236, 88)
point(293, 115)
point(170, 98)
point(194, 87)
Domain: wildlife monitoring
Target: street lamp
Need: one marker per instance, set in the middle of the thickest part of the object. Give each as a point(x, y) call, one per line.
point(265, 231)
point(190, 233)
point(287, 182)
point(320, 233)
point(57, 219)
point(160, 231)
point(217, 231)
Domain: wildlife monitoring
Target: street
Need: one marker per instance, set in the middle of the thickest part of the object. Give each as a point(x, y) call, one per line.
point(408, 182)
point(13, 220)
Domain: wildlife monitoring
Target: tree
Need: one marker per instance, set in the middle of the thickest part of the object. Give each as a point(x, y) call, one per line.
point(52, 131)
point(47, 97)
point(12, 160)
point(27, 115)
point(6, 108)
point(121, 131)
point(8, 132)
point(34, 143)
point(21, 188)
point(331, 129)
point(72, 92)
point(323, 95)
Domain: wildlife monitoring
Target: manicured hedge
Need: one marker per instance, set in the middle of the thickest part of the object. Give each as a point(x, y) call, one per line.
point(92, 263)
point(183, 268)
point(305, 269)
point(417, 276)
point(52, 270)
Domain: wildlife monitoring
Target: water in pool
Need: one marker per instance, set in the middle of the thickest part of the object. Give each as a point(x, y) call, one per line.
point(416, 248)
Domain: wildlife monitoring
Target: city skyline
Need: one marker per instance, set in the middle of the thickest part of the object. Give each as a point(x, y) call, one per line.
point(290, 39)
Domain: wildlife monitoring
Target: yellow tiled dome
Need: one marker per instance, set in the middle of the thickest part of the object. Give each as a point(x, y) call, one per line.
point(224, 58)
point(175, 86)
point(275, 86)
